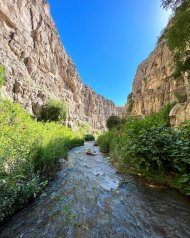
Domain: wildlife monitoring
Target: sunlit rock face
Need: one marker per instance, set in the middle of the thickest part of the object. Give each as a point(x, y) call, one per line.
point(153, 88)
point(39, 68)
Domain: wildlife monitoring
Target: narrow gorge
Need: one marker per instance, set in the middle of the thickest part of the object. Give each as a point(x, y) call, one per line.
point(73, 164)
point(38, 67)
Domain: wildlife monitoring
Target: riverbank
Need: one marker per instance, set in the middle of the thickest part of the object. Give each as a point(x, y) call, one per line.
point(29, 154)
point(88, 198)
point(151, 148)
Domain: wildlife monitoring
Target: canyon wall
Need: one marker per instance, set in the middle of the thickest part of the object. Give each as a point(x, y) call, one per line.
point(38, 67)
point(153, 87)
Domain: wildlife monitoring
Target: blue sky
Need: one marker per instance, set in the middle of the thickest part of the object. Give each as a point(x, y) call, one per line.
point(107, 39)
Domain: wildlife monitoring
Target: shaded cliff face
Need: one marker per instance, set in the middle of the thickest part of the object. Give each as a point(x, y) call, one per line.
point(39, 68)
point(153, 88)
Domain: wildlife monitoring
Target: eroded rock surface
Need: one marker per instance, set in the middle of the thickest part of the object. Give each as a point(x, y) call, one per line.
point(153, 88)
point(39, 68)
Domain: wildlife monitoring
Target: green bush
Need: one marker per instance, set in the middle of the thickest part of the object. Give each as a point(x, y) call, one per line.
point(112, 121)
point(148, 146)
point(162, 118)
point(178, 36)
point(85, 129)
point(53, 111)
point(104, 140)
point(89, 137)
point(29, 154)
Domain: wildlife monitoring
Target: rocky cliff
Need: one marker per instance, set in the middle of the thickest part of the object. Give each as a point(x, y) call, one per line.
point(39, 68)
point(153, 87)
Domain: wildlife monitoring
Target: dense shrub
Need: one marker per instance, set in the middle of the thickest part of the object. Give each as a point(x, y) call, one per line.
point(89, 137)
point(178, 35)
point(53, 111)
point(104, 141)
point(29, 154)
point(148, 146)
point(112, 121)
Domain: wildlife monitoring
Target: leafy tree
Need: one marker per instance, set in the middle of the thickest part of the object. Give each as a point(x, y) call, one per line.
point(53, 110)
point(178, 35)
point(112, 121)
point(89, 137)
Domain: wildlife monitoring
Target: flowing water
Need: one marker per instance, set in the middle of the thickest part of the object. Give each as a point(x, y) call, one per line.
point(89, 199)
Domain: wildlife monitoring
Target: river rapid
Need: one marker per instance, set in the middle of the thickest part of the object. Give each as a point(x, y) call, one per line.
point(88, 199)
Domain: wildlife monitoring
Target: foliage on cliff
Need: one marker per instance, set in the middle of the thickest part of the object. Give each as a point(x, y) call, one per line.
point(149, 147)
point(178, 35)
point(112, 121)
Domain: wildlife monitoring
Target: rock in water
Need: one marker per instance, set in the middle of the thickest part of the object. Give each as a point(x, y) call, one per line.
point(91, 152)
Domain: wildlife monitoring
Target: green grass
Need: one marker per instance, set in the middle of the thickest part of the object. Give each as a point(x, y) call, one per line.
point(29, 155)
point(177, 38)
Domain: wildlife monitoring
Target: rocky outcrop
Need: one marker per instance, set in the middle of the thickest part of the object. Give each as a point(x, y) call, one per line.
point(153, 87)
point(39, 68)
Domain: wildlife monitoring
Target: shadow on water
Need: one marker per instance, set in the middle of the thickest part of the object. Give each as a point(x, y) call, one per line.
point(89, 199)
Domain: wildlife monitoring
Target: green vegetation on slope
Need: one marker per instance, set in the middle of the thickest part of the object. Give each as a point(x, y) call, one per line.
point(112, 121)
point(151, 148)
point(29, 155)
point(178, 35)
point(89, 137)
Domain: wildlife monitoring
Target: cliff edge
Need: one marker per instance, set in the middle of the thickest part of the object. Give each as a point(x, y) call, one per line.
point(153, 87)
point(39, 68)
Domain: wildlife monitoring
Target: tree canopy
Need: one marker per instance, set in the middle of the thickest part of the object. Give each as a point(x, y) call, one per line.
point(53, 110)
point(112, 121)
point(178, 35)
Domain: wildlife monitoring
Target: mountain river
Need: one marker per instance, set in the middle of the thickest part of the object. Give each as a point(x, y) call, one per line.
point(89, 199)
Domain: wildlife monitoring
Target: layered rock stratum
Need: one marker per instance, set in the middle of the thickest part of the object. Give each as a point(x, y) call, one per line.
point(154, 87)
point(38, 67)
